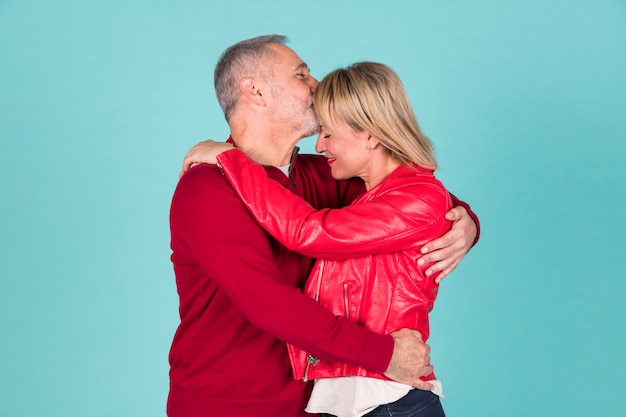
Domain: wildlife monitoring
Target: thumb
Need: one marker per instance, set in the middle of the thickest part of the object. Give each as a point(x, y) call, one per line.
point(423, 385)
point(454, 214)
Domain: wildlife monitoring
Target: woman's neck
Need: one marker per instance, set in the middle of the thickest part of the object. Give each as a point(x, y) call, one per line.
point(379, 168)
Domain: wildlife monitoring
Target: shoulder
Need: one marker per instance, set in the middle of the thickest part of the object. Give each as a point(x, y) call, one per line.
point(203, 173)
point(415, 178)
point(415, 190)
point(203, 187)
point(201, 178)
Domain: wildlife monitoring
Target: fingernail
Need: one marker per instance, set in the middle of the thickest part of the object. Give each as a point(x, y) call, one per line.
point(420, 262)
point(428, 273)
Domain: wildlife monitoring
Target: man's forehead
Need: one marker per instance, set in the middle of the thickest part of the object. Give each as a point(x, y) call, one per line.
point(288, 57)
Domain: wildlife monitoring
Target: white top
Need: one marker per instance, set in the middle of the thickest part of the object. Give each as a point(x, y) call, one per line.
point(285, 169)
point(356, 395)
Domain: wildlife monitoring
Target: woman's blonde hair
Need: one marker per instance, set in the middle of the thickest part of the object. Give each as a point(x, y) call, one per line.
point(370, 97)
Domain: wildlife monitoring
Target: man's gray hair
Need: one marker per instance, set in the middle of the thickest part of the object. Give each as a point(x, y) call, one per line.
point(243, 59)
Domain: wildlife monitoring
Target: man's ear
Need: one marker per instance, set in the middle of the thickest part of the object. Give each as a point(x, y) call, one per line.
point(251, 90)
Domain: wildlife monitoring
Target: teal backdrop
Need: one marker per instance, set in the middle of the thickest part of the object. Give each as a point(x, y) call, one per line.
point(525, 101)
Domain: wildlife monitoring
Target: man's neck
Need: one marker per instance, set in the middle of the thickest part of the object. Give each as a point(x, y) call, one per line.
point(266, 148)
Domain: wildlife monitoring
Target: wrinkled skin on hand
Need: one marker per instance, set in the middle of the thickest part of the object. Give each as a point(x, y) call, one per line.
point(410, 359)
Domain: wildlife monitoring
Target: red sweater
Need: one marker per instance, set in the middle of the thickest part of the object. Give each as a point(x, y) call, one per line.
point(240, 300)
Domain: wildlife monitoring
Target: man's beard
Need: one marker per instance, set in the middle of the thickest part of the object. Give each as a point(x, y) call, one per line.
point(310, 125)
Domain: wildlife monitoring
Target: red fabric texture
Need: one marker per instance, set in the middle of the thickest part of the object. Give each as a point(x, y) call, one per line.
point(240, 300)
point(367, 252)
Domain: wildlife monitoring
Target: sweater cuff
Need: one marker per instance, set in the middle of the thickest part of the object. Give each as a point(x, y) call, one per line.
point(376, 352)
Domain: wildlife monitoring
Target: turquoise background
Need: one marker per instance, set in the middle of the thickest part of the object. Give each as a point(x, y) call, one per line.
point(525, 101)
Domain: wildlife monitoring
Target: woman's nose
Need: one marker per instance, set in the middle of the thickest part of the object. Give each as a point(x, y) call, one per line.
point(320, 146)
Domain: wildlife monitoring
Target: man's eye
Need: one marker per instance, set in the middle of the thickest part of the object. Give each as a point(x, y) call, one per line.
point(326, 136)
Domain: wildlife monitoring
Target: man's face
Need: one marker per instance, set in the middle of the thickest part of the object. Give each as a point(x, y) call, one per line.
point(292, 88)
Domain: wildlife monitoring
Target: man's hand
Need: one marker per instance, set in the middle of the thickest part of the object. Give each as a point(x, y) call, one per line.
point(410, 359)
point(447, 251)
point(204, 152)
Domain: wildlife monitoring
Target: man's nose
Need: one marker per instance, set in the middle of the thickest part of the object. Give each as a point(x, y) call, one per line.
point(313, 84)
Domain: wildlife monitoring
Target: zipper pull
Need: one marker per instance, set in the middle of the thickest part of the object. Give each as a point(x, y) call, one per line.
point(310, 360)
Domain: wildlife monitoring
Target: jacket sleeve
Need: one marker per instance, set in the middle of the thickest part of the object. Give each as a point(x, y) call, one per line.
point(213, 229)
point(395, 221)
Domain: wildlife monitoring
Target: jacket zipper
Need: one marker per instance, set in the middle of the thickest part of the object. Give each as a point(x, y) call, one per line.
point(318, 285)
point(310, 359)
point(345, 300)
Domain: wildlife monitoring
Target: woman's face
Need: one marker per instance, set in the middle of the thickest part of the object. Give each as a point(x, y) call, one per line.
point(345, 150)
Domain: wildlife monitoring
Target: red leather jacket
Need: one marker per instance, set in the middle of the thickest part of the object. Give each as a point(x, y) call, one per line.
point(367, 252)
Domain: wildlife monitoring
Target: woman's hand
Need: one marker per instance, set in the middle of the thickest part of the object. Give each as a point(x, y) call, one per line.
point(204, 153)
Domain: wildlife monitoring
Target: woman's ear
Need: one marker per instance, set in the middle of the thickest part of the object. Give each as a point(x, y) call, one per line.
point(372, 142)
point(251, 90)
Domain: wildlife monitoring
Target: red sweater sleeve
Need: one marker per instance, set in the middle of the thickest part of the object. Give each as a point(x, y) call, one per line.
point(456, 202)
point(216, 231)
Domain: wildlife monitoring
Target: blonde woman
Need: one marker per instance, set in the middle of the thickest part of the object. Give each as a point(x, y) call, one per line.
point(367, 253)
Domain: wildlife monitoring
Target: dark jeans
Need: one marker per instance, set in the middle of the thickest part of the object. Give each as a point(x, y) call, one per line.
point(416, 403)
